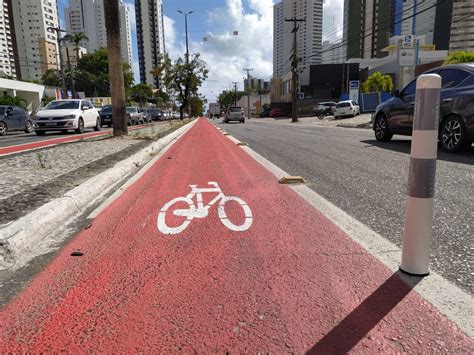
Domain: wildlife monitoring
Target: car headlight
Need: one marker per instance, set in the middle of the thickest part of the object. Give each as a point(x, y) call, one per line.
point(70, 116)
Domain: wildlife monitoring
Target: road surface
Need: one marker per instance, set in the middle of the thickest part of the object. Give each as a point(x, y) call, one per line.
point(368, 180)
point(263, 272)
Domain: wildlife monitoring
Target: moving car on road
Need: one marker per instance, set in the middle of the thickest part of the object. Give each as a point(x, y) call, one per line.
point(456, 124)
point(348, 108)
point(135, 116)
point(106, 116)
point(14, 118)
point(155, 114)
point(235, 114)
point(65, 115)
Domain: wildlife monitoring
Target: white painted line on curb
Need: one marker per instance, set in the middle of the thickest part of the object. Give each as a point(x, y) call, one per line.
point(454, 303)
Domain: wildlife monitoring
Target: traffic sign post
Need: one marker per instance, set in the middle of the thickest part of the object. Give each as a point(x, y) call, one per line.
point(421, 177)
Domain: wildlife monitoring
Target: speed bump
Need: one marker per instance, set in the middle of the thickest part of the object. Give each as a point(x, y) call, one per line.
point(292, 180)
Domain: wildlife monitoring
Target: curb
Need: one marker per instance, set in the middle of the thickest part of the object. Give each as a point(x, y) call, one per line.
point(28, 231)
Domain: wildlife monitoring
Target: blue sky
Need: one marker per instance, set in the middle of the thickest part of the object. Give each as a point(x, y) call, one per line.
point(226, 55)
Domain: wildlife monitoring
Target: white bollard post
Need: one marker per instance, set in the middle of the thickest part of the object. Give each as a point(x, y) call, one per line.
point(421, 178)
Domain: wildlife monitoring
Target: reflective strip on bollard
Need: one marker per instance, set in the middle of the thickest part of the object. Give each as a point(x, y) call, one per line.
point(421, 177)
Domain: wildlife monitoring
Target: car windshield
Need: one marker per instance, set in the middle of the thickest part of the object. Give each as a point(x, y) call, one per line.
point(235, 109)
point(343, 104)
point(107, 109)
point(131, 109)
point(62, 105)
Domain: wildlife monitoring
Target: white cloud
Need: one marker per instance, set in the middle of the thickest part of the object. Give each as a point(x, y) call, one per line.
point(333, 20)
point(225, 54)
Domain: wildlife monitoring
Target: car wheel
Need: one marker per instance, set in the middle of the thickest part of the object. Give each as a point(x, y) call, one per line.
point(3, 129)
point(40, 133)
point(453, 134)
point(382, 134)
point(28, 127)
point(80, 126)
point(97, 126)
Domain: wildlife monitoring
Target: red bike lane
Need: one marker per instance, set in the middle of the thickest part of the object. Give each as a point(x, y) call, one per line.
point(291, 282)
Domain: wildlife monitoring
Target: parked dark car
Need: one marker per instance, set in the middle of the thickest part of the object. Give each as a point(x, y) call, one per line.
point(456, 128)
point(265, 113)
point(278, 112)
point(106, 116)
point(14, 118)
point(155, 114)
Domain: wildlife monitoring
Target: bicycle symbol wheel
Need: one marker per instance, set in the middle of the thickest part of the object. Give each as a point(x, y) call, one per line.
point(161, 221)
point(226, 221)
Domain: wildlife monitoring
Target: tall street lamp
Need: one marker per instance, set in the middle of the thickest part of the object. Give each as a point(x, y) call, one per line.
point(60, 55)
point(187, 49)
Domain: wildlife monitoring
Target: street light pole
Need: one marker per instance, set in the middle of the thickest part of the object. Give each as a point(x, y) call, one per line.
point(61, 67)
point(187, 54)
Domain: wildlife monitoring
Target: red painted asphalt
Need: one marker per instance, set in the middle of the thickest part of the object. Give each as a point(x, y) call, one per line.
point(293, 282)
point(54, 141)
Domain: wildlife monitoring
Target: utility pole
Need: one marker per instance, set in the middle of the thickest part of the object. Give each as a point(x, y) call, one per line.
point(235, 93)
point(187, 59)
point(60, 54)
point(117, 85)
point(294, 66)
point(248, 91)
point(70, 73)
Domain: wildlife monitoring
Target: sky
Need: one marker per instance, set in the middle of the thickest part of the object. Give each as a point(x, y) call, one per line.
point(225, 54)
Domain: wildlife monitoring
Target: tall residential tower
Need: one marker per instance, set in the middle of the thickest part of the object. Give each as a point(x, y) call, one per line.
point(310, 35)
point(150, 37)
point(36, 40)
point(8, 48)
point(88, 16)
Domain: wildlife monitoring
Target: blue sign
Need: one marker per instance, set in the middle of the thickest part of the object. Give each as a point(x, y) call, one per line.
point(354, 84)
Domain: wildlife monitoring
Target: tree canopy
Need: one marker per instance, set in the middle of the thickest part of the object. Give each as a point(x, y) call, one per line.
point(377, 82)
point(460, 57)
point(180, 79)
point(227, 98)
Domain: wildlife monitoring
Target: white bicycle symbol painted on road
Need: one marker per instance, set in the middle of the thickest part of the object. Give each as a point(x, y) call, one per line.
point(202, 211)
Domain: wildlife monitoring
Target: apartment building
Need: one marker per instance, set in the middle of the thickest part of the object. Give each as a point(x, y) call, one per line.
point(332, 53)
point(462, 28)
point(8, 62)
point(36, 40)
point(150, 37)
point(309, 36)
point(88, 16)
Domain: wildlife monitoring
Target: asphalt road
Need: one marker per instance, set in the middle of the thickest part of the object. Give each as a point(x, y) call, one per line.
point(17, 138)
point(368, 180)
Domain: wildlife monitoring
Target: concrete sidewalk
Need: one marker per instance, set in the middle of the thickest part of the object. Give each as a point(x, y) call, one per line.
point(260, 271)
point(361, 121)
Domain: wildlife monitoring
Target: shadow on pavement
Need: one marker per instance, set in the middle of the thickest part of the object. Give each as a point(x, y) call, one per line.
point(342, 338)
point(403, 146)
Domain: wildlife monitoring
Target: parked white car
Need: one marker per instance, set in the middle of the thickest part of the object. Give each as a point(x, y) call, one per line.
point(65, 115)
point(346, 108)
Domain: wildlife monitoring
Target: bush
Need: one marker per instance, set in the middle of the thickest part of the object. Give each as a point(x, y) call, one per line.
point(460, 57)
point(13, 101)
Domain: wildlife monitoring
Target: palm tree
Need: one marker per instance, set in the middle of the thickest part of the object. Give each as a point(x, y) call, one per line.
point(76, 38)
point(378, 82)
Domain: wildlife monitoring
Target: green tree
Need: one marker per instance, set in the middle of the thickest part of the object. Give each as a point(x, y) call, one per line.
point(460, 57)
point(227, 98)
point(76, 38)
point(377, 82)
point(141, 93)
point(196, 104)
point(51, 78)
point(13, 101)
point(181, 79)
point(92, 74)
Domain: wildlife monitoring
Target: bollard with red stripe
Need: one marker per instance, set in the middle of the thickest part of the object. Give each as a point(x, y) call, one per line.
point(421, 178)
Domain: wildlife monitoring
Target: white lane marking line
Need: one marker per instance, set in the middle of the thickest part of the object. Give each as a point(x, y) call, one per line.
point(456, 304)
